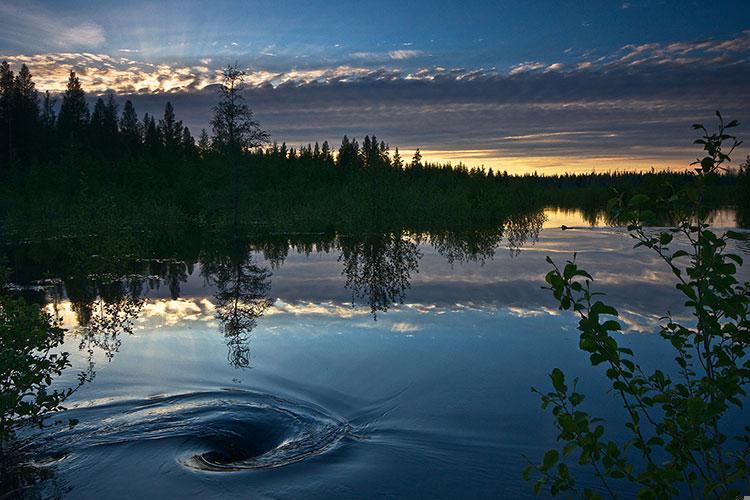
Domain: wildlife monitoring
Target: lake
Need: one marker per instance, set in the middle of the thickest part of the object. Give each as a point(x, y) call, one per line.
point(358, 366)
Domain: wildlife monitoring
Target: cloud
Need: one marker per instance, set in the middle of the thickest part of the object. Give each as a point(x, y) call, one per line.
point(403, 54)
point(393, 55)
point(525, 67)
point(405, 327)
point(628, 109)
point(32, 28)
point(100, 73)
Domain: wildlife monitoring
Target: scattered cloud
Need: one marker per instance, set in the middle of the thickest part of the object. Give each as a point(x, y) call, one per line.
point(405, 327)
point(101, 72)
point(30, 27)
point(400, 55)
point(634, 103)
point(525, 67)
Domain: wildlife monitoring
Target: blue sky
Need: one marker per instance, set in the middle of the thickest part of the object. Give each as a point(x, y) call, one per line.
point(483, 82)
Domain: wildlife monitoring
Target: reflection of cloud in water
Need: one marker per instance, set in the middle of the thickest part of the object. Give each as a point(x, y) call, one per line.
point(327, 308)
point(180, 313)
point(405, 327)
point(172, 312)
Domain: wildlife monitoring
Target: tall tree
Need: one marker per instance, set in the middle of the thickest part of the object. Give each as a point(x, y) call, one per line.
point(151, 136)
point(397, 162)
point(7, 80)
point(170, 129)
point(96, 125)
point(187, 144)
point(416, 160)
point(25, 114)
point(130, 129)
point(74, 112)
point(47, 122)
point(204, 143)
point(110, 123)
point(234, 127)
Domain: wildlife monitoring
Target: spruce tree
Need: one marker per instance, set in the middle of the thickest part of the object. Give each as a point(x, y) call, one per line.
point(170, 129)
point(204, 144)
point(6, 113)
point(25, 115)
point(130, 129)
point(235, 129)
point(151, 136)
point(74, 112)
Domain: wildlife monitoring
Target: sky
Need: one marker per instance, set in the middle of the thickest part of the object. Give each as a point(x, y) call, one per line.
point(520, 86)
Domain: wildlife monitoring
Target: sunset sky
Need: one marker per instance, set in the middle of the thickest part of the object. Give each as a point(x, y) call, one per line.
point(522, 86)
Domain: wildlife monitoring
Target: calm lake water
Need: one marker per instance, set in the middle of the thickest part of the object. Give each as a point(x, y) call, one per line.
point(250, 374)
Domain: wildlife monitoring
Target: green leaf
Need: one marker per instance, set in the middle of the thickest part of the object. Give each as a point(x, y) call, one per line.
point(558, 380)
point(550, 459)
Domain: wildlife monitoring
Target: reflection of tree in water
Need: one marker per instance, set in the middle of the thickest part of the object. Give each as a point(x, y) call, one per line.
point(378, 267)
point(105, 309)
point(478, 245)
point(466, 246)
point(241, 299)
point(520, 229)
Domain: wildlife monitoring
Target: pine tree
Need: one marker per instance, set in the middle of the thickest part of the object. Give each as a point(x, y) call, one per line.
point(416, 160)
point(25, 115)
point(96, 125)
point(204, 144)
point(170, 130)
point(325, 153)
point(397, 162)
point(187, 143)
point(109, 124)
point(131, 132)
point(47, 122)
point(234, 127)
point(151, 136)
point(74, 112)
point(6, 113)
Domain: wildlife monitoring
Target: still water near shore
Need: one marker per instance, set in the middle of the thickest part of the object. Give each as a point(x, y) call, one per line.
point(299, 377)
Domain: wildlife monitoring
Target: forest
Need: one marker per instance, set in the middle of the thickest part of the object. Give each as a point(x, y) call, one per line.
point(63, 164)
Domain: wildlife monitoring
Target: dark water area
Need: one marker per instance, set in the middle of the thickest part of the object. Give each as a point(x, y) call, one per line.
point(264, 365)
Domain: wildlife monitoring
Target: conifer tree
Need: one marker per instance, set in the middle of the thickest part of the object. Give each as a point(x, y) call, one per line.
point(6, 113)
point(170, 130)
point(416, 160)
point(25, 115)
point(151, 136)
point(397, 162)
point(131, 132)
point(187, 143)
point(110, 122)
point(47, 122)
point(74, 112)
point(204, 144)
point(234, 126)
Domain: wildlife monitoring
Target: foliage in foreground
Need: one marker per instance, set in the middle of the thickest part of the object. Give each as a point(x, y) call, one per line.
point(679, 441)
point(29, 364)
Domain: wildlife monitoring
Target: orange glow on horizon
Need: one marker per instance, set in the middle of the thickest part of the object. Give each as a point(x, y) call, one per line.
point(549, 165)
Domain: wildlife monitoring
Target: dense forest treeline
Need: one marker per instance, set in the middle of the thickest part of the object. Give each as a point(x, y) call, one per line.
point(65, 164)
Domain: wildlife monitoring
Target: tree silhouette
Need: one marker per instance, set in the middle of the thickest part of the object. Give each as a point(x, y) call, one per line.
point(170, 130)
point(241, 298)
point(151, 136)
point(378, 268)
point(7, 80)
point(25, 113)
point(234, 127)
point(73, 118)
point(131, 131)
